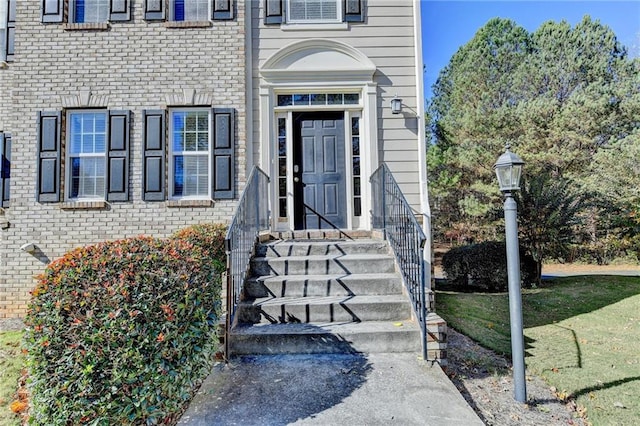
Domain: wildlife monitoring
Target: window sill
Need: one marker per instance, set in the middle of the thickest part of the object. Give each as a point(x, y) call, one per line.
point(83, 205)
point(187, 24)
point(333, 26)
point(94, 26)
point(189, 203)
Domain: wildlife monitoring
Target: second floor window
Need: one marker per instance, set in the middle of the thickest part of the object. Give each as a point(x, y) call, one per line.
point(314, 11)
point(190, 10)
point(90, 11)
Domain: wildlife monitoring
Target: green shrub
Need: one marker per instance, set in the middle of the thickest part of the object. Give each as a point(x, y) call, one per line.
point(121, 332)
point(483, 267)
point(209, 238)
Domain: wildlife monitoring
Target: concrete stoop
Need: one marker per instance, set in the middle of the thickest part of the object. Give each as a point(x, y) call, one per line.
point(327, 292)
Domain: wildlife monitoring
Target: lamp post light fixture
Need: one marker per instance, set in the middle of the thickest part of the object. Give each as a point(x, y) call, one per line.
point(509, 170)
point(396, 105)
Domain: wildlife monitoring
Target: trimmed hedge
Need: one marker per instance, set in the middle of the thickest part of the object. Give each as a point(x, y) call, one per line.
point(483, 267)
point(208, 237)
point(121, 332)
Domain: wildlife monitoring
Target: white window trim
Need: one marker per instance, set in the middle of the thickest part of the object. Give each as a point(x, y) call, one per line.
point(172, 13)
point(68, 155)
point(173, 153)
point(339, 17)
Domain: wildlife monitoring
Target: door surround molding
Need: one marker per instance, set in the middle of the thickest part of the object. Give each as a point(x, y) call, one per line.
point(319, 65)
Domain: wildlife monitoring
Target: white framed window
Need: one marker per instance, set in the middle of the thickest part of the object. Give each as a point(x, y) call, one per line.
point(86, 155)
point(89, 11)
point(190, 157)
point(314, 11)
point(190, 10)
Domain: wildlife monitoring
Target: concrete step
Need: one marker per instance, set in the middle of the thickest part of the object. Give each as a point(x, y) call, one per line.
point(323, 285)
point(317, 265)
point(324, 309)
point(322, 248)
point(323, 234)
point(369, 337)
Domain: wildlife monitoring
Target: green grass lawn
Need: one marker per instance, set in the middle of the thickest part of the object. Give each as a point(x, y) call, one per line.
point(11, 362)
point(582, 335)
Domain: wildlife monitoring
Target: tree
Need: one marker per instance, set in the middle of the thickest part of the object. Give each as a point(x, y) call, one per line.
point(559, 95)
point(549, 214)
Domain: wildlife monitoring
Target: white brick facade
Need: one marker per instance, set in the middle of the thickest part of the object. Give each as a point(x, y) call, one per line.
point(136, 65)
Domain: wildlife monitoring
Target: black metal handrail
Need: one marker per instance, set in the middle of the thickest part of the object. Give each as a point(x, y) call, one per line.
point(251, 217)
point(392, 214)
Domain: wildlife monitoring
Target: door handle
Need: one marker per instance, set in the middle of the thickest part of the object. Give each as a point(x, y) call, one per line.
point(296, 179)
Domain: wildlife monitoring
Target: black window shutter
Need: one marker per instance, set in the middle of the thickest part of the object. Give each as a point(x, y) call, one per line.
point(52, 11)
point(5, 169)
point(223, 10)
point(11, 30)
point(354, 10)
point(118, 156)
point(48, 184)
point(120, 10)
point(154, 10)
point(153, 155)
point(223, 153)
point(273, 11)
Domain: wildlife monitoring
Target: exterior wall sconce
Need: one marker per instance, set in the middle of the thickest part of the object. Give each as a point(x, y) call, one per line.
point(396, 105)
point(29, 248)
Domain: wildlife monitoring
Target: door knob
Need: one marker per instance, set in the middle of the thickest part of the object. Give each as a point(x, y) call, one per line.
point(296, 179)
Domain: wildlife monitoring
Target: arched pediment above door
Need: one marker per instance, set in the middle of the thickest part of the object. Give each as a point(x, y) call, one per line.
point(318, 60)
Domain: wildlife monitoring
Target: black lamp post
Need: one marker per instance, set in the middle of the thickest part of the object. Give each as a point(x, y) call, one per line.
point(509, 170)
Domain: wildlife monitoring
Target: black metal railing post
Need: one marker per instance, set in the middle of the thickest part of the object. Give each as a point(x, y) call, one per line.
point(392, 214)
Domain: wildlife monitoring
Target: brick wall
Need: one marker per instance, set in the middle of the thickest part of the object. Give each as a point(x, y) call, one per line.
point(132, 66)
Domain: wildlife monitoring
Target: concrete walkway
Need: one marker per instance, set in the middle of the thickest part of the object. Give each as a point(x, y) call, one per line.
point(356, 389)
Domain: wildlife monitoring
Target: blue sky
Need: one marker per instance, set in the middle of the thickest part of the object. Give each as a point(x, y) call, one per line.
point(449, 24)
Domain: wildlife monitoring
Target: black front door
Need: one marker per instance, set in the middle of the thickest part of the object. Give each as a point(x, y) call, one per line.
point(320, 193)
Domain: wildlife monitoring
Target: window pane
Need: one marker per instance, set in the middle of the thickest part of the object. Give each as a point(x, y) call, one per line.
point(91, 11)
point(301, 99)
point(351, 98)
point(318, 99)
point(87, 177)
point(356, 186)
point(285, 100)
point(283, 207)
point(190, 131)
point(191, 175)
point(313, 10)
point(355, 142)
point(190, 10)
point(355, 126)
point(283, 167)
point(356, 166)
point(334, 98)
